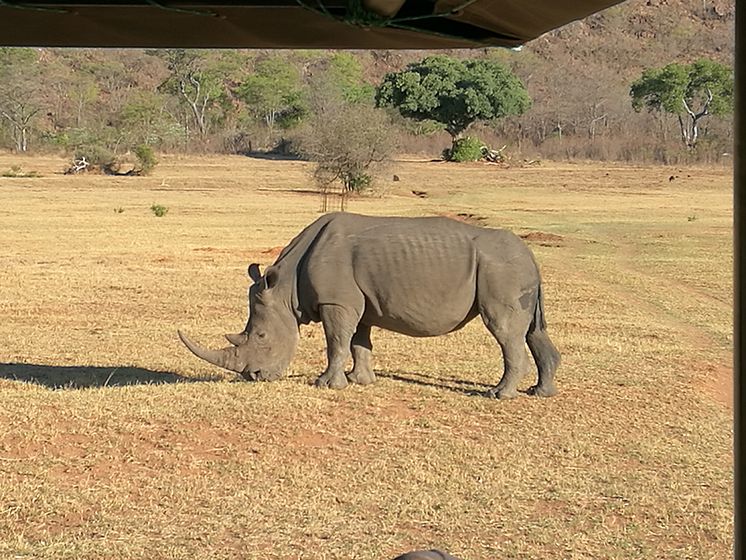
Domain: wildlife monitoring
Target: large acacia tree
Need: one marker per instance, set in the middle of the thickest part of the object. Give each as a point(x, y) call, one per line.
point(689, 91)
point(454, 93)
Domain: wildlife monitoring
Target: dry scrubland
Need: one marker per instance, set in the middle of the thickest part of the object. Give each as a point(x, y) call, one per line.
point(116, 443)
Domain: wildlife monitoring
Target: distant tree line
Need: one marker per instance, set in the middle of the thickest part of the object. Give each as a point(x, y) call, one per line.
point(108, 102)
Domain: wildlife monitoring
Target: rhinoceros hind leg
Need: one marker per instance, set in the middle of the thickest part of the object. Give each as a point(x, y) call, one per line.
point(362, 348)
point(510, 335)
point(340, 324)
point(547, 360)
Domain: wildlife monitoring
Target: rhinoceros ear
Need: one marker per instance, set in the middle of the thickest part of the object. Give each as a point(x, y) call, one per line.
point(254, 273)
point(270, 277)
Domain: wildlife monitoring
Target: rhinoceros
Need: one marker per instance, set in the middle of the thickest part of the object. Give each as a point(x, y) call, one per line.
point(424, 276)
point(433, 554)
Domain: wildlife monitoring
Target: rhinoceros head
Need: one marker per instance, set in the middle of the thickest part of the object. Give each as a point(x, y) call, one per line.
point(264, 350)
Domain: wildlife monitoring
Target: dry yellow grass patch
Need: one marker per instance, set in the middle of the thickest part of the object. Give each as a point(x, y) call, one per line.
point(116, 442)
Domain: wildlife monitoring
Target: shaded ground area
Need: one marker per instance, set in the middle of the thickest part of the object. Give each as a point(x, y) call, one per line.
point(81, 377)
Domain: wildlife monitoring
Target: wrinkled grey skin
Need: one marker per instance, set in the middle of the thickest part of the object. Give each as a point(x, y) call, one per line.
point(415, 276)
point(433, 554)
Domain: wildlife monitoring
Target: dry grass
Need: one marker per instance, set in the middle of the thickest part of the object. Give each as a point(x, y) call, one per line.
point(103, 455)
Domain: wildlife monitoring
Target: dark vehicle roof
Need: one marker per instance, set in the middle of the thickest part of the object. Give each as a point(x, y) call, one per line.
point(342, 24)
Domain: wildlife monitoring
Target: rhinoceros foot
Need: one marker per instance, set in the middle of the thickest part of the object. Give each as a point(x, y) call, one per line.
point(501, 393)
point(361, 376)
point(332, 380)
point(543, 390)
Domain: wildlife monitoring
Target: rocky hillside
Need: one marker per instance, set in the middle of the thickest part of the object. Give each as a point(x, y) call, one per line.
point(578, 76)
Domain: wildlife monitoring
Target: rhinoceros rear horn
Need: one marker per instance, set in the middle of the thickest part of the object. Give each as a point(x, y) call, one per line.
point(236, 339)
point(226, 358)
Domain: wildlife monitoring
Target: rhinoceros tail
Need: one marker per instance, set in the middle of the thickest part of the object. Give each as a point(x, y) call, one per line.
point(544, 352)
point(539, 322)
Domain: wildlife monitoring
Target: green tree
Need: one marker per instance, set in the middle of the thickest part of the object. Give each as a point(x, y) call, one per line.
point(82, 92)
point(346, 72)
point(274, 93)
point(144, 120)
point(196, 80)
point(689, 91)
point(454, 93)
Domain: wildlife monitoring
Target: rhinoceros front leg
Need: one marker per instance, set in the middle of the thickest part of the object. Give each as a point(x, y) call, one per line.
point(362, 349)
point(339, 324)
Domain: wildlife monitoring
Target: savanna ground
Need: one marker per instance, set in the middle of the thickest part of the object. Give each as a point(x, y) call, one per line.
point(117, 443)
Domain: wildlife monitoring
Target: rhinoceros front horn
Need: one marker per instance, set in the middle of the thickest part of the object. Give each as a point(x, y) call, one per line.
point(226, 358)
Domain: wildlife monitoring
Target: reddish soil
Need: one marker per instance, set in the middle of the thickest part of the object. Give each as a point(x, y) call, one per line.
point(543, 239)
point(465, 217)
point(718, 383)
point(273, 252)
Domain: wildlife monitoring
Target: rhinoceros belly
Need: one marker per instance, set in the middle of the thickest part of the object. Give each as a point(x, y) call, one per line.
point(419, 283)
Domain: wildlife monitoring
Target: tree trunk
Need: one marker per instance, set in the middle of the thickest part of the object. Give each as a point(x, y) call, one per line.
point(455, 137)
point(194, 103)
point(20, 126)
point(690, 128)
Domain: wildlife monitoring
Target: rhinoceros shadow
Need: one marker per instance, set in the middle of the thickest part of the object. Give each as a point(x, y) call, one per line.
point(464, 387)
point(83, 377)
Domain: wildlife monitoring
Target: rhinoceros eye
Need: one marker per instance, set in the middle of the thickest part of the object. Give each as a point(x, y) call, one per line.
point(261, 335)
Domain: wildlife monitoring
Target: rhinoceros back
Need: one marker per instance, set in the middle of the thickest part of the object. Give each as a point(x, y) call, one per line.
point(418, 276)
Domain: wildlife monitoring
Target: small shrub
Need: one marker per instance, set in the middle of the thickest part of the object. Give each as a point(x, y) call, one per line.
point(90, 158)
point(465, 149)
point(159, 210)
point(238, 143)
point(359, 182)
point(95, 154)
point(118, 210)
point(17, 171)
point(146, 156)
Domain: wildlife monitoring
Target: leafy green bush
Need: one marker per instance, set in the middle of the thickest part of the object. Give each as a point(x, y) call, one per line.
point(146, 156)
point(159, 210)
point(465, 149)
point(96, 155)
point(358, 182)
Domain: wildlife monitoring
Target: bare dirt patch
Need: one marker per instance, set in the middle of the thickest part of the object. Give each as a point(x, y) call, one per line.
point(466, 217)
point(310, 438)
point(273, 252)
point(543, 239)
point(717, 382)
